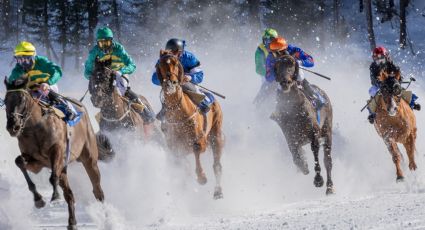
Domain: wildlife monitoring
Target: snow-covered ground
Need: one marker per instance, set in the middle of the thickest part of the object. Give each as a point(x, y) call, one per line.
point(146, 189)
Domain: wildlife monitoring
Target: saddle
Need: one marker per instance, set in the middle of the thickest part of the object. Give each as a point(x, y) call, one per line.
point(317, 100)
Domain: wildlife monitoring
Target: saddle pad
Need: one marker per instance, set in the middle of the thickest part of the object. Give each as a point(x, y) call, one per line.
point(195, 97)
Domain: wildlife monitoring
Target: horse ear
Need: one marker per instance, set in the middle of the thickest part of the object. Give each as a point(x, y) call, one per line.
point(381, 76)
point(181, 73)
point(162, 52)
point(6, 83)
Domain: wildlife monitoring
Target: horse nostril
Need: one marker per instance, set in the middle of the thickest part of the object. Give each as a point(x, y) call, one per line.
point(174, 82)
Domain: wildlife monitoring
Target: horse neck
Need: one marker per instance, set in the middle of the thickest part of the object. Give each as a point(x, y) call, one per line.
point(179, 105)
point(295, 95)
point(35, 114)
point(115, 107)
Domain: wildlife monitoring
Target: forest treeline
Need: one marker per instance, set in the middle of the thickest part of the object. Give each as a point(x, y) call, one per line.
point(66, 29)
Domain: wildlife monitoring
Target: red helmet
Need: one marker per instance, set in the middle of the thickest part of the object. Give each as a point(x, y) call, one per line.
point(379, 51)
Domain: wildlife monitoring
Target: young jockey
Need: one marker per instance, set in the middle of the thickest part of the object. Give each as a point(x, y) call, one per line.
point(280, 47)
point(193, 73)
point(42, 75)
point(122, 65)
point(382, 60)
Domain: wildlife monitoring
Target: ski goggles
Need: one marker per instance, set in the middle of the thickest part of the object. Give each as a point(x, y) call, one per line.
point(24, 60)
point(104, 43)
point(379, 59)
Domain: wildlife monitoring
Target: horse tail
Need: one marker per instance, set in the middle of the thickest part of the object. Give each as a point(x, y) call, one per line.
point(106, 152)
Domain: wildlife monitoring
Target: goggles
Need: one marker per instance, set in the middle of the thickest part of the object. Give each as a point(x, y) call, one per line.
point(24, 60)
point(104, 43)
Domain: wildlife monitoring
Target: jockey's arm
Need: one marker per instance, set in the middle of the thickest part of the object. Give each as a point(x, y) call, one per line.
point(260, 62)
point(193, 66)
point(299, 54)
point(50, 68)
point(129, 67)
point(89, 64)
point(17, 72)
point(374, 72)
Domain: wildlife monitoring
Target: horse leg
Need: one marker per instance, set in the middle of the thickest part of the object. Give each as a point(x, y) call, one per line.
point(410, 150)
point(395, 152)
point(69, 198)
point(90, 165)
point(327, 159)
point(315, 146)
point(298, 156)
point(56, 161)
point(22, 164)
point(197, 148)
point(217, 142)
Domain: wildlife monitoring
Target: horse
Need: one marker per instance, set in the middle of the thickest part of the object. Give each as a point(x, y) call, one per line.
point(44, 140)
point(187, 129)
point(301, 123)
point(116, 111)
point(395, 121)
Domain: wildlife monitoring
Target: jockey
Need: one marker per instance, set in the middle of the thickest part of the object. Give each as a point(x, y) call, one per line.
point(263, 51)
point(193, 73)
point(382, 60)
point(122, 65)
point(278, 48)
point(42, 75)
point(261, 54)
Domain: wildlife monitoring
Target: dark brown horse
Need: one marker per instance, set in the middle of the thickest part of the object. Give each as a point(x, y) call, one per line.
point(116, 112)
point(185, 131)
point(298, 120)
point(395, 121)
point(43, 137)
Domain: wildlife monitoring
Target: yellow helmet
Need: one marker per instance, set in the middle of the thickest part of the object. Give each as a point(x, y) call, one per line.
point(25, 48)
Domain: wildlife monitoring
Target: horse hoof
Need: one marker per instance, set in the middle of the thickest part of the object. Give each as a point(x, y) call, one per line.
point(55, 197)
point(72, 227)
point(202, 180)
point(305, 171)
point(39, 203)
point(400, 179)
point(412, 166)
point(330, 191)
point(218, 194)
point(318, 181)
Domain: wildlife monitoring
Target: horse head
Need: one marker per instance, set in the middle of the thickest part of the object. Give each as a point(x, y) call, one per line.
point(286, 69)
point(390, 89)
point(170, 72)
point(17, 101)
point(101, 84)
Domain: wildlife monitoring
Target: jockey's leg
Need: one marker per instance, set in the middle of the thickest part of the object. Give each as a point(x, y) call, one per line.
point(373, 90)
point(411, 98)
point(70, 112)
point(205, 105)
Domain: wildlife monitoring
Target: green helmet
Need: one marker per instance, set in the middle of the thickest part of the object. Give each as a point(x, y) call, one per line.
point(104, 33)
point(270, 33)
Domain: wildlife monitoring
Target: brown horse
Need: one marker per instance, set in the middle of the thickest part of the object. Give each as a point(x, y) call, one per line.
point(395, 120)
point(185, 131)
point(43, 137)
point(298, 120)
point(116, 112)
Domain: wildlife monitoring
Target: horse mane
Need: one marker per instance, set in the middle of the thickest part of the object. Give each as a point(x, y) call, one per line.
point(20, 83)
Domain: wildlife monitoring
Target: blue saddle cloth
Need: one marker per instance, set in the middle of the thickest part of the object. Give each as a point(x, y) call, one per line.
point(318, 101)
point(70, 122)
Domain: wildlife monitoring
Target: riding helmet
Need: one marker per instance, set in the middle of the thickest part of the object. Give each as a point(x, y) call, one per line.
point(175, 45)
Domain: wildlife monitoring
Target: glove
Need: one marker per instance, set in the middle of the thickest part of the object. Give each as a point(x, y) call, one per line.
point(300, 63)
point(44, 88)
point(187, 78)
point(117, 74)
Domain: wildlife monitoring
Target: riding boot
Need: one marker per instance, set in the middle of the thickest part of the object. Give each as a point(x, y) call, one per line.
point(310, 93)
point(69, 113)
point(147, 114)
point(161, 115)
point(371, 117)
point(205, 104)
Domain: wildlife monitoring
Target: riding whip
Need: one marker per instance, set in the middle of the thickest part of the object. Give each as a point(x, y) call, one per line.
point(82, 98)
point(213, 92)
point(318, 74)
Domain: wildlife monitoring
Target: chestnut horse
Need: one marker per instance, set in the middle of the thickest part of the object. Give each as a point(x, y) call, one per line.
point(43, 137)
point(395, 121)
point(185, 131)
point(299, 122)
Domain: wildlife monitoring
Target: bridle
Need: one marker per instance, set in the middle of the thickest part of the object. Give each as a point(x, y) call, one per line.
point(24, 116)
